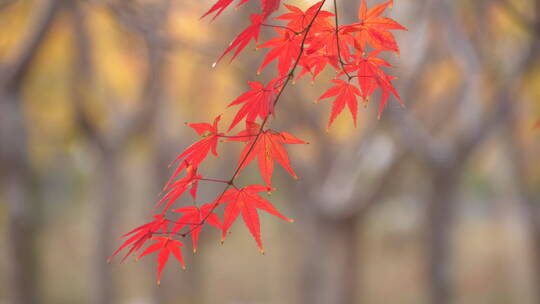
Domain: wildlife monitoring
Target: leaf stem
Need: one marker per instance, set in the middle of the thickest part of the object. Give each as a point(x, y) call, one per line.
point(281, 27)
point(214, 180)
point(236, 136)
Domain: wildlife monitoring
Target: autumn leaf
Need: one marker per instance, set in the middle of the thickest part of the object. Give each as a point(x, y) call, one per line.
point(246, 201)
point(252, 32)
point(267, 148)
point(138, 236)
point(298, 20)
point(196, 153)
point(195, 217)
point(386, 86)
point(315, 64)
point(326, 43)
point(268, 7)
point(176, 188)
point(218, 8)
point(285, 48)
point(371, 76)
point(374, 29)
point(165, 246)
point(346, 94)
point(257, 102)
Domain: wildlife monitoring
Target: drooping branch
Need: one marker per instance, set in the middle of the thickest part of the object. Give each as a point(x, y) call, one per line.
point(288, 78)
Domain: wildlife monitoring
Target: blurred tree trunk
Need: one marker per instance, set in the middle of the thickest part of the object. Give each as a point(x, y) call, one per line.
point(520, 177)
point(335, 202)
point(518, 159)
point(148, 21)
point(109, 196)
point(107, 178)
point(515, 150)
point(441, 211)
point(19, 193)
point(17, 176)
point(330, 260)
point(331, 252)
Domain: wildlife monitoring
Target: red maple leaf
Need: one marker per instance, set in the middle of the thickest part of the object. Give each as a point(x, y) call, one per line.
point(268, 7)
point(178, 187)
point(242, 40)
point(371, 76)
point(386, 86)
point(325, 41)
point(196, 153)
point(195, 217)
point(258, 102)
point(346, 94)
point(323, 50)
point(374, 30)
point(165, 246)
point(299, 20)
point(139, 235)
point(247, 201)
point(218, 8)
point(285, 48)
point(315, 64)
point(268, 147)
point(369, 70)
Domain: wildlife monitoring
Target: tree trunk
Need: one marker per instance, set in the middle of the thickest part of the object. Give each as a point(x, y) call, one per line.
point(534, 222)
point(15, 171)
point(440, 219)
point(525, 193)
point(330, 260)
point(22, 213)
point(109, 198)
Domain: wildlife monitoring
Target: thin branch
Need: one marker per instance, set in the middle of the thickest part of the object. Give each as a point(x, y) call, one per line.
point(341, 62)
point(39, 27)
point(214, 180)
point(281, 27)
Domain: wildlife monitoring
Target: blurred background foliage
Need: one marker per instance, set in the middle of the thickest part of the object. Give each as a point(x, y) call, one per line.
point(435, 203)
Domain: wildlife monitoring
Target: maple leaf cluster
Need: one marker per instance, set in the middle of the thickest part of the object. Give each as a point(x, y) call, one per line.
point(307, 41)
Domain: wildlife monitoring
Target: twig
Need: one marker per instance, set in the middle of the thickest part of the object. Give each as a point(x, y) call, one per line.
point(341, 62)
